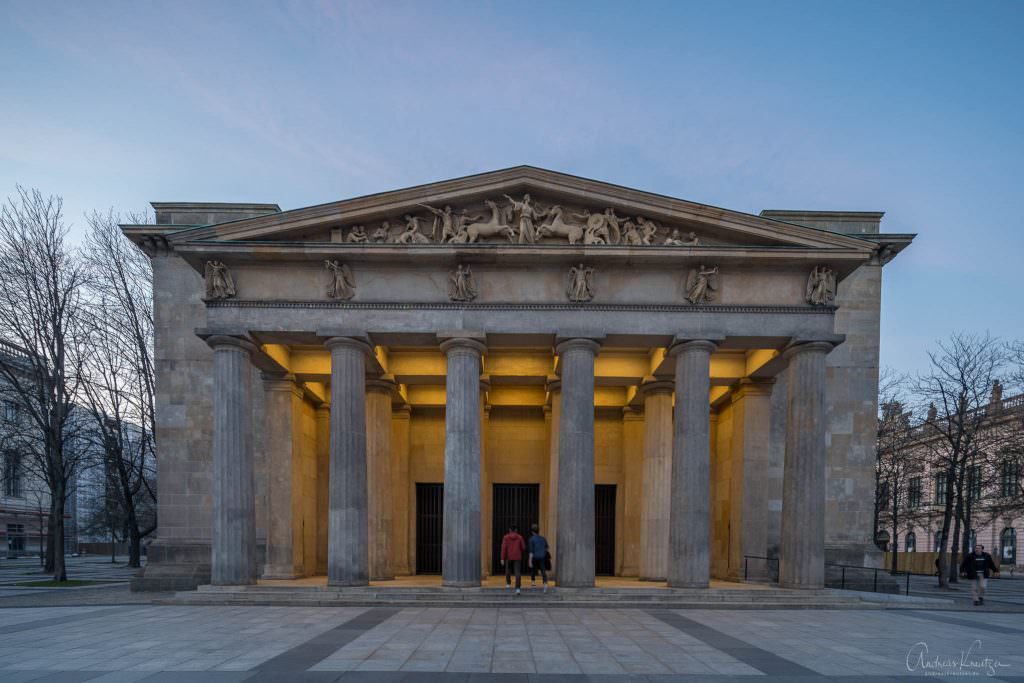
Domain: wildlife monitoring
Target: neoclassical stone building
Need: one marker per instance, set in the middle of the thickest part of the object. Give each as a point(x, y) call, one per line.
point(378, 386)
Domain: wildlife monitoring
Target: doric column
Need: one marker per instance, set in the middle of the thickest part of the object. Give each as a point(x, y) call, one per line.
point(633, 485)
point(748, 495)
point(378, 477)
point(323, 489)
point(486, 502)
point(690, 516)
point(575, 549)
point(400, 420)
point(657, 468)
point(234, 507)
point(347, 559)
point(802, 542)
point(553, 415)
point(460, 556)
point(284, 541)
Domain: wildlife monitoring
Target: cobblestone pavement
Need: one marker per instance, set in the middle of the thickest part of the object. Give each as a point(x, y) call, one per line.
point(222, 644)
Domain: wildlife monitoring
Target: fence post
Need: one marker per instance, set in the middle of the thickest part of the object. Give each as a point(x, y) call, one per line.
point(908, 583)
point(843, 584)
point(744, 567)
point(874, 588)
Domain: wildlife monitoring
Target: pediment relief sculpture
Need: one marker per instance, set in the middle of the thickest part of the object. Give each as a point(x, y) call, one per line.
point(342, 284)
point(508, 220)
point(701, 283)
point(219, 283)
point(821, 286)
point(581, 284)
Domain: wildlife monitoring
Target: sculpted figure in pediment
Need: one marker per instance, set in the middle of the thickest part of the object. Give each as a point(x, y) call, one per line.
point(700, 284)
point(412, 234)
point(443, 219)
point(631, 235)
point(581, 284)
point(528, 216)
point(675, 239)
point(343, 284)
point(821, 286)
point(461, 285)
point(494, 226)
point(357, 235)
point(219, 284)
point(556, 226)
point(383, 233)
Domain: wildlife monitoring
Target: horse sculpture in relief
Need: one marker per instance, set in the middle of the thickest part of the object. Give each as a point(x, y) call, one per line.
point(492, 227)
point(556, 226)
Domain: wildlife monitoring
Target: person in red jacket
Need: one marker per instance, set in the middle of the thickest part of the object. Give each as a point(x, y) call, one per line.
point(512, 548)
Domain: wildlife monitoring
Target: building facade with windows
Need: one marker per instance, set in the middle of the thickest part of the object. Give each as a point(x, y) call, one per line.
point(993, 487)
point(380, 386)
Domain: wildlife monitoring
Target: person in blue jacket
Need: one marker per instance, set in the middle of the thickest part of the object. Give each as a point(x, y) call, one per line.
point(538, 557)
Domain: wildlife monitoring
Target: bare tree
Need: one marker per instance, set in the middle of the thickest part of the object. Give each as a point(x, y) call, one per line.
point(120, 389)
point(896, 459)
point(956, 390)
point(41, 304)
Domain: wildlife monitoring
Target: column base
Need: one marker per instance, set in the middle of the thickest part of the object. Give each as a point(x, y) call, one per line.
point(347, 584)
point(575, 584)
point(688, 584)
point(281, 573)
point(174, 566)
point(801, 586)
point(460, 584)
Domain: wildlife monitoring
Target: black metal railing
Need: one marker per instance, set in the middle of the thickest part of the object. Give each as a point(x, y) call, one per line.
point(767, 562)
point(771, 565)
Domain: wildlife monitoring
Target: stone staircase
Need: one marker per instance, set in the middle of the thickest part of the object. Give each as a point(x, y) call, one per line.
point(675, 598)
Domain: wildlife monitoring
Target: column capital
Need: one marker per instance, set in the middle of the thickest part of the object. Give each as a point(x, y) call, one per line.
point(685, 345)
point(661, 386)
point(359, 343)
point(811, 346)
point(553, 385)
point(469, 344)
point(223, 341)
point(564, 344)
point(749, 386)
point(382, 385)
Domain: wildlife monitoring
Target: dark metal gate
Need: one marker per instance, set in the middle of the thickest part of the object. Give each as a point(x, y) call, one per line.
point(517, 504)
point(429, 527)
point(604, 529)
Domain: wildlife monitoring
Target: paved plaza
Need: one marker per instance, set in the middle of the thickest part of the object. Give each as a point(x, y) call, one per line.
point(221, 644)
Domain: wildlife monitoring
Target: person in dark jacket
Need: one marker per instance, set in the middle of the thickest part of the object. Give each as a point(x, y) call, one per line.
point(977, 567)
point(537, 557)
point(512, 548)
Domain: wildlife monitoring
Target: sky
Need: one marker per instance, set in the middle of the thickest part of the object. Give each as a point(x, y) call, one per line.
point(912, 108)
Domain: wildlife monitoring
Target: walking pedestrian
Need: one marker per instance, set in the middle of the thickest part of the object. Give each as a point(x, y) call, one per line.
point(976, 567)
point(512, 548)
point(537, 557)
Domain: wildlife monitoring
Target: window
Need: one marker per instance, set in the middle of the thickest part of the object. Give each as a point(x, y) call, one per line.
point(911, 543)
point(940, 540)
point(1009, 478)
point(1008, 546)
point(974, 482)
point(914, 493)
point(10, 411)
point(883, 495)
point(12, 475)
point(941, 488)
point(15, 538)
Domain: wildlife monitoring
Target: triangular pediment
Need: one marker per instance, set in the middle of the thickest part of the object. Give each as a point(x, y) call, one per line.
point(488, 208)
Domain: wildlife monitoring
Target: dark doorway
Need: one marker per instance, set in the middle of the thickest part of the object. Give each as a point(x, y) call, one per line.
point(429, 527)
point(604, 529)
point(517, 504)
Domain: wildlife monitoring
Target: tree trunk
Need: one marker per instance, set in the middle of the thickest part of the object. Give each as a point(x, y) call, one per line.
point(59, 569)
point(48, 566)
point(954, 547)
point(895, 533)
point(134, 547)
